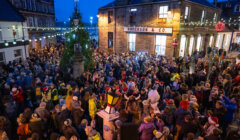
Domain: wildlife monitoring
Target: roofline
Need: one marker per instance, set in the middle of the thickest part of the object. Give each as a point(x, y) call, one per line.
point(11, 21)
point(14, 8)
point(130, 5)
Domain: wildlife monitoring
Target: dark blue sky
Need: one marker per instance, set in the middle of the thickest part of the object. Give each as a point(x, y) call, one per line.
point(64, 8)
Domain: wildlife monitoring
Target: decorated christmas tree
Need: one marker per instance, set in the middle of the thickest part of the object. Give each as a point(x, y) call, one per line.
point(77, 35)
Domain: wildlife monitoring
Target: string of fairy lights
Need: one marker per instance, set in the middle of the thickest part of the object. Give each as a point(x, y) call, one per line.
point(61, 31)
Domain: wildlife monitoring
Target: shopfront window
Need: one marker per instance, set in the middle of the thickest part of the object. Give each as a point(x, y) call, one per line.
point(211, 41)
point(227, 42)
point(182, 45)
point(218, 41)
point(161, 44)
point(191, 43)
point(199, 42)
point(131, 42)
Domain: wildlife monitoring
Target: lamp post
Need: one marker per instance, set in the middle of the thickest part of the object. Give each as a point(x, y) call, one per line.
point(109, 114)
point(78, 67)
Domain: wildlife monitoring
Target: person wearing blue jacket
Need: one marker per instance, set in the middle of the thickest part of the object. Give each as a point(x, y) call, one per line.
point(231, 106)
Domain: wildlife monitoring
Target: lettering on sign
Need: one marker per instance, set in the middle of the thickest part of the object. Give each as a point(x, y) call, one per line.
point(161, 30)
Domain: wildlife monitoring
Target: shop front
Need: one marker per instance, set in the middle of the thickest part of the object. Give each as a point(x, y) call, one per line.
point(152, 39)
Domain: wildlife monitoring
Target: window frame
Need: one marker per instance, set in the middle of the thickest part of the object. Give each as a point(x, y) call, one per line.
point(19, 56)
point(31, 22)
point(132, 42)
point(186, 17)
point(160, 46)
point(215, 17)
point(203, 16)
point(110, 16)
point(4, 59)
point(1, 35)
point(165, 13)
point(235, 9)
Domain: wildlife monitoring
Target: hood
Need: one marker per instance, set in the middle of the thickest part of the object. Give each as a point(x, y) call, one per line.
point(148, 125)
point(93, 133)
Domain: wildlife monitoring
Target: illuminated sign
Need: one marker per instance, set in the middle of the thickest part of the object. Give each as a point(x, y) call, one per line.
point(160, 30)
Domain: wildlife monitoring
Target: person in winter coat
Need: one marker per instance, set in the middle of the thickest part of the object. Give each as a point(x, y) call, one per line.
point(63, 115)
point(17, 94)
point(236, 80)
point(219, 112)
point(146, 129)
point(211, 125)
point(69, 130)
point(81, 129)
point(77, 111)
point(187, 127)
point(231, 107)
point(23, 130)
point(179, 115)
point(36, 125)
point(43, 112)
point(92, 106)
point(92, 133)
point(158, 122)
point(215, 136)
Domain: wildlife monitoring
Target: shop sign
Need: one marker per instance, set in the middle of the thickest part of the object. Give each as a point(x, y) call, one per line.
point(160, 30)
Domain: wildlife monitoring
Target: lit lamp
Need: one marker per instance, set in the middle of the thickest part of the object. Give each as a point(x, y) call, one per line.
point(112, 100)
point(109, 114)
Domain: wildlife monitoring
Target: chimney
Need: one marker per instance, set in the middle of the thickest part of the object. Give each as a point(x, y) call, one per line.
point(122, 2)
point(146, 1)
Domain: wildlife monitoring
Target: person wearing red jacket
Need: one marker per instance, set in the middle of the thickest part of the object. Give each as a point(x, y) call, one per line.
point(17, 94)
point(236, 80)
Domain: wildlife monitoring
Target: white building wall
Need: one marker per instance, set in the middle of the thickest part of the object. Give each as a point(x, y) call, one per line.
point(7, 29)
point(9, 53)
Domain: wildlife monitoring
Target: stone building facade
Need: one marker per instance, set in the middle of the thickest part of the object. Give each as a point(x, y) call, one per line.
point(158, 25)
point(38, 13)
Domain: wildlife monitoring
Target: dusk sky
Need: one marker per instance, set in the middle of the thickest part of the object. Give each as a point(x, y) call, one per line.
point(88, 8)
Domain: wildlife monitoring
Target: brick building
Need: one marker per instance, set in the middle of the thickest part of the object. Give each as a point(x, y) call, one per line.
point(153, 26)
point(38, 13)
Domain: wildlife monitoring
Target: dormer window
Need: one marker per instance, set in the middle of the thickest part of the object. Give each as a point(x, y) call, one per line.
point(237, 8)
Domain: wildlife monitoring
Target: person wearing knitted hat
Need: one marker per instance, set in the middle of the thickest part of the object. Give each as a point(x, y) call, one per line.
point(36, 125)
point(69, 130)
point(211, 125)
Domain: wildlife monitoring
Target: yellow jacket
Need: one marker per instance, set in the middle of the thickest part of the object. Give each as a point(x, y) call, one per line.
point(92, 108)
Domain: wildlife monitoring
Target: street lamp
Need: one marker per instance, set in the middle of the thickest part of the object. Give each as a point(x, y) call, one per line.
point(112, 100)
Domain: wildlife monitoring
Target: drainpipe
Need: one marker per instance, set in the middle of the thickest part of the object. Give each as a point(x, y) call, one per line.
point(24, 41)
point(230, 45)
point(115, 29)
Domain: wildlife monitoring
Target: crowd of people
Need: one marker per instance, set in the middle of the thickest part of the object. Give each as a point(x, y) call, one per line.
point(159, 95)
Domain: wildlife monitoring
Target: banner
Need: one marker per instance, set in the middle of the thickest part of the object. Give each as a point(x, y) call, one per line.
point(160, 30)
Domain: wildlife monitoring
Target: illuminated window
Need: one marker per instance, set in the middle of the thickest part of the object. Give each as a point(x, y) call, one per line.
point(110, 39)
point(1, 37)
point(227, 42)
point(131, 42)
point(161, 44)
point(18, 53)
point(215, 17)
point(211, 41)
point(203, 16)
point(187, 12)
point(163, 11)
point(31, 24)
point(182, 45)
point(191, 45)
point(218, 41)
point(133, 13)
point(199, 42)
